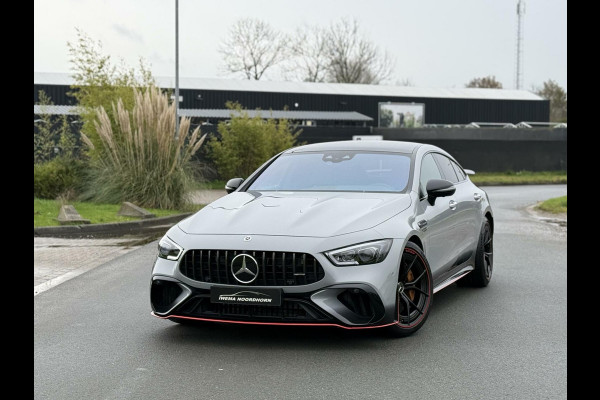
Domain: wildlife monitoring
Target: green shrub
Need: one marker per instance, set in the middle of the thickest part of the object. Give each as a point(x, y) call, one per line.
point(246, 142)
point(143, 161)
point(57, 177)
point(53, 135)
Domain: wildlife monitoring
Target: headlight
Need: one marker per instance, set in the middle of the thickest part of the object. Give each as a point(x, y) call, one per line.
point(169, 249)
point(360, 254)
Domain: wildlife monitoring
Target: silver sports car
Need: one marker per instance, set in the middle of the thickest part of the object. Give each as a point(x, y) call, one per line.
point(353, 234)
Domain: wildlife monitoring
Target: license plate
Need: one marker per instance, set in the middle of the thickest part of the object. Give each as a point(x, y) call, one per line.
point(243, 295)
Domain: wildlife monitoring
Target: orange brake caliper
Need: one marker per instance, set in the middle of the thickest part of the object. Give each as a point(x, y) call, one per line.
point(409, 279)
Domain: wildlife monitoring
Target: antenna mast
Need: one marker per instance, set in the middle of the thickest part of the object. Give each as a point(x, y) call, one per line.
point(520, 20)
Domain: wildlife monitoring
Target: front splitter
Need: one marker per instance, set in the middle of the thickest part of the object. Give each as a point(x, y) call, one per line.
point(273, 323)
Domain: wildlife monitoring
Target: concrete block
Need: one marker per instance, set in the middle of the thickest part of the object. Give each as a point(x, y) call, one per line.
point(68, 215)
point(131, 210)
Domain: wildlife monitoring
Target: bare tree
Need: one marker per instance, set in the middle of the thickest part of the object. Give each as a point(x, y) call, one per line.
point(308, 48)
point(558, 100)
point(252, 48)
point(489, 82)
point(338, 53)
point(354, 59)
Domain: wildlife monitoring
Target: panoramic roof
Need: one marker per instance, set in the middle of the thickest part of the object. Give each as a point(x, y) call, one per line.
point(360, 145)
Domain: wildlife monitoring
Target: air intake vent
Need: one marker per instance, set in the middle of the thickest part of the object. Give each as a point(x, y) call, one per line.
point(163, 295)
point(289, 311)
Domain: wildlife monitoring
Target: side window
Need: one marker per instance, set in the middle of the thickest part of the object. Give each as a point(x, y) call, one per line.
point(447, 168)
point(429, 170)
point(459, 171)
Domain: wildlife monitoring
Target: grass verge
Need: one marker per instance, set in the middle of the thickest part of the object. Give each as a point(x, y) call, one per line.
point(556, 205)
point(45, 212)
point(519, 178)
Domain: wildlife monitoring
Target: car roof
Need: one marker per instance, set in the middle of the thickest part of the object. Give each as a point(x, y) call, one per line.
point(359, 145)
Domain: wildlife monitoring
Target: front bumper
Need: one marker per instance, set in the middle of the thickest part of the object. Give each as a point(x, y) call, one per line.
point(347, 297)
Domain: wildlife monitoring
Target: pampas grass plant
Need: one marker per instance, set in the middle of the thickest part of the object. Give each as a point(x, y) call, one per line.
point(143, 162)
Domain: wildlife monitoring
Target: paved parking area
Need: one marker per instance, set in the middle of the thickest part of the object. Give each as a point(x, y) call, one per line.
point(206, 196)
point(56, 260)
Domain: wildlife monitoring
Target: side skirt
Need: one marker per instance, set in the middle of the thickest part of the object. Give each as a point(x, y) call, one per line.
point(453, 278)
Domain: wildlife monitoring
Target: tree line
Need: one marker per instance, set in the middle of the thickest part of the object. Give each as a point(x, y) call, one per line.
point(339, 53)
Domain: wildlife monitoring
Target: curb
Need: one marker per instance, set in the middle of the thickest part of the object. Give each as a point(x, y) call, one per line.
point(546, 217)
point(112, 229)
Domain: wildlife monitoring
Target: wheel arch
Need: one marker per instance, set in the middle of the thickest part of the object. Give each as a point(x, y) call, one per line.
point(416, 240)
point(490, 218)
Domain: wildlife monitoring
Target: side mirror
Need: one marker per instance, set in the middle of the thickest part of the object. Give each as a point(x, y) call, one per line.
point(233, 184)
point(469, 172)
point(439, 188)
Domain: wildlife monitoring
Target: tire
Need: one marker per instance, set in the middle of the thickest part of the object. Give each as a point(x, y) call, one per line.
point(412, 306)
point(484, 260)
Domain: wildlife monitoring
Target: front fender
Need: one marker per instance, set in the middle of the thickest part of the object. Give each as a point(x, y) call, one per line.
point(403, 225)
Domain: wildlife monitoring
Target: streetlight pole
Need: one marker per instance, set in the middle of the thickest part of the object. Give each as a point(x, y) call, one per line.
point(176, 69)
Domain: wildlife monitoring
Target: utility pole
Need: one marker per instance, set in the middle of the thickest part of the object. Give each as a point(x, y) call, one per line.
point(176, 69)
point(520, 21)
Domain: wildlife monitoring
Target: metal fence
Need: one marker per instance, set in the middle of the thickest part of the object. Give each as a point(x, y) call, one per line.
point(522, 124)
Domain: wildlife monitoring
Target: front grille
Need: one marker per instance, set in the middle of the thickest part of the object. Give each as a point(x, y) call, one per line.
point(276, 268)
point(291, 310)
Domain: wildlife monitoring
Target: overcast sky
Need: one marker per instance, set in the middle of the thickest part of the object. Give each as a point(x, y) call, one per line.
point(436, 43)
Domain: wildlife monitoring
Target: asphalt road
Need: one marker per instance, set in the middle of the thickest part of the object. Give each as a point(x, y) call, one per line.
point(95, 338)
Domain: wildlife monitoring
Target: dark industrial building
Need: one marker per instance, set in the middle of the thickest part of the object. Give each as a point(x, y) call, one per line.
point(327, 104)
point(329, 112)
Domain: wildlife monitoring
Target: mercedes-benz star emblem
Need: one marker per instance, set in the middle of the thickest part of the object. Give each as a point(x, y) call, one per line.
point(244, 268)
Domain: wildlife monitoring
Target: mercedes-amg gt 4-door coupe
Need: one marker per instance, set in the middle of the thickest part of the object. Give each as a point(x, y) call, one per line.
point(352, 234)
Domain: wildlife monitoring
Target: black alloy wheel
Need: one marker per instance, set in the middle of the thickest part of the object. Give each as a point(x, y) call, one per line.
point(414, 294)
point(484, 260)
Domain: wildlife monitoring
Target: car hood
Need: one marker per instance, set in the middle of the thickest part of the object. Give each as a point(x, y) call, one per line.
point(315, 214)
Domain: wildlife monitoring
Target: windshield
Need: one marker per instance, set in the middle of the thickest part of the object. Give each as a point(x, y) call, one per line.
point(336, 171)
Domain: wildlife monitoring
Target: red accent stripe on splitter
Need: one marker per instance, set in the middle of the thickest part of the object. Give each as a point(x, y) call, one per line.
point(272, 323)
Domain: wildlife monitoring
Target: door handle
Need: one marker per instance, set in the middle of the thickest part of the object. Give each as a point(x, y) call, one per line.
point(452, 204)
point(477, 196)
